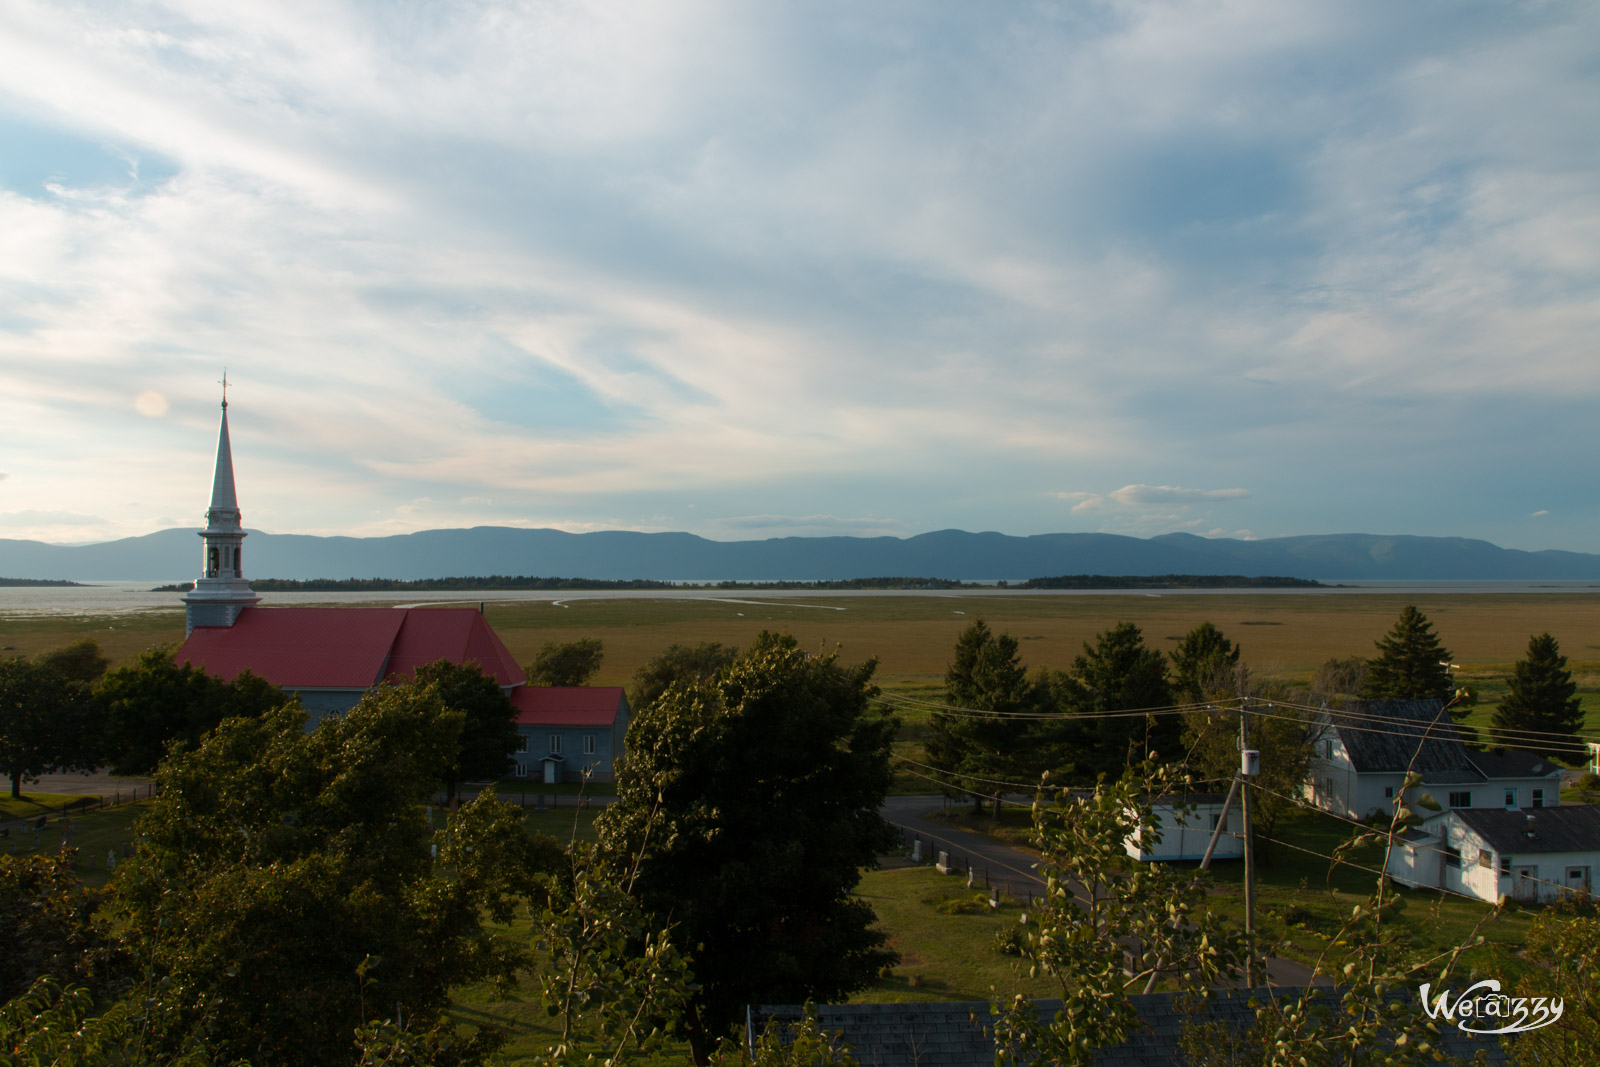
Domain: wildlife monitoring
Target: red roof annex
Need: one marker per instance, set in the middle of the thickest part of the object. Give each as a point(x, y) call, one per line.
point(347, 648)
point(567, 705)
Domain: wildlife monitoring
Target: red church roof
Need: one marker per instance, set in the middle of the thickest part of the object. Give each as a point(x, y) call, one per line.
point(347, 648)
point(545, 705)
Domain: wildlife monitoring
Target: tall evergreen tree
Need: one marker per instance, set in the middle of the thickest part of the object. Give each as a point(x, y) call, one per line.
point(1203, 664)
point(1410, 664)
point(1120, 673)
point(1542, 700)
point(985, 675)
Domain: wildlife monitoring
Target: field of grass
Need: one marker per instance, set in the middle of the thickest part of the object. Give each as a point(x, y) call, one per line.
point(1283, 634)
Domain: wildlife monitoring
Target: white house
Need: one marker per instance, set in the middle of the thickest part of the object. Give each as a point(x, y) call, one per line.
point(1362, 753)
point(1184, 823)
point(1527, 854)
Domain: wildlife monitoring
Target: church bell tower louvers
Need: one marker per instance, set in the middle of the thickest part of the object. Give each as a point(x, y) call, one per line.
point(221, 592)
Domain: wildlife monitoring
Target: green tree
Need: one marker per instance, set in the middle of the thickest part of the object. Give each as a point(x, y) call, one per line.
point(489, 726)
point(983, 740)
point(156, 702)
point(1410, 664)
point(1284, 739)
point(283, 893)
point(1204, 664)
point(678, 664)
point(47, 927)
point(749, 805)
point(46, 722)
point(1542, 699)
point(570, 663)
point(82, 661)
point(1109, 926)
point(1120, 673)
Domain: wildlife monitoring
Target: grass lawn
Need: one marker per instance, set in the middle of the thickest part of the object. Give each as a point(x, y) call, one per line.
point(945, 934)
point(93, 835)
point(32, 805)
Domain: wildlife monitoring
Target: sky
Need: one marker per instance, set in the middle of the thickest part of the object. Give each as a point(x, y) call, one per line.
point(1239, 268)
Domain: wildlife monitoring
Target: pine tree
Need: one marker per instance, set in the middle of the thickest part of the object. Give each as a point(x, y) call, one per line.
point(985, 674)
point(1203, 664)
point(1120, 673)
point(1411, 664)
point(1542, 700)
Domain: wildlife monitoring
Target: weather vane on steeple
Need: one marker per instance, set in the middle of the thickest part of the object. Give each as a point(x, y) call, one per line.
point(224, 388)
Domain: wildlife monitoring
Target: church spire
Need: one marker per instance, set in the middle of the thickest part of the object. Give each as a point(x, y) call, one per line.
point(221, 592)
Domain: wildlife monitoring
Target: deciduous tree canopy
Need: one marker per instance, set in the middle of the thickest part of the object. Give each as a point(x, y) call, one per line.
point(155, 702)
point(489, 724)
point(47, 722)
point(283, 893)
point(750, 804)
point(572, 663)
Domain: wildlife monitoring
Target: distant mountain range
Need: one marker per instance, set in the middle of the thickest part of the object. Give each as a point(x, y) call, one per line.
point(485, 550)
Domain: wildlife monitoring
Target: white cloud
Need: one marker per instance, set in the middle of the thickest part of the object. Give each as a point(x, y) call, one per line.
point(150, 404)
point(1539, 513)
point(1145, 495)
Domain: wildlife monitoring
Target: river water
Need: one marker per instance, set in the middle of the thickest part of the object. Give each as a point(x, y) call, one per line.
point(124, 598)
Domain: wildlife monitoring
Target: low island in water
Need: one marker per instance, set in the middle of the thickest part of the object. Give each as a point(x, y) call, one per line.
point(499, 582)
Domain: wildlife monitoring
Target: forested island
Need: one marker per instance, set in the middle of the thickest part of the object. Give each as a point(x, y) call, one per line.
point(1169, 581)
point(501, 582)
point(10, 583)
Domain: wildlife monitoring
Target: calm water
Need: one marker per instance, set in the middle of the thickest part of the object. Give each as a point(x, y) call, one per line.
point(123, 598)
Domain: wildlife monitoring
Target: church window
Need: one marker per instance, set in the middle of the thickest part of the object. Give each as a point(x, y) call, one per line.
point(212, 563)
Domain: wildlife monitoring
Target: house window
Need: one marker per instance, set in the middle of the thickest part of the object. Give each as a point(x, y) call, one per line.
point(1511, 798)
point(1461, 800)
point(1388, 792)
point(1485, 858)
point(1327, 749)
point(1505, 864)
point(555, 744)
point(522, 768)
point(588, 744)
point(1327, 786)
point(1538, 798)
point(522, 743)
point(1452, 857)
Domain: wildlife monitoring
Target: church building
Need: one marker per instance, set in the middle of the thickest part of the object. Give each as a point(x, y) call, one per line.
point(329, 657)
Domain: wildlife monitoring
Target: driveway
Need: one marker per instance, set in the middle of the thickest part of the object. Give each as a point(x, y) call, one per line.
point(1003, 863)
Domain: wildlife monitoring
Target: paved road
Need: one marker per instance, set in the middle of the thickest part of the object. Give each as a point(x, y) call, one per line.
point(1004, 861)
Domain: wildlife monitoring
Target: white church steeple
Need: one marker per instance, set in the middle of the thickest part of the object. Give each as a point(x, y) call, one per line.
point(221, 592)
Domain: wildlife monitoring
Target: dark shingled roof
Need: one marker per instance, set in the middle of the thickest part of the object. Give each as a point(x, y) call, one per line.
point(951, 1034)
point(1569, 828)
point(1513, 763)
point(1384, 736)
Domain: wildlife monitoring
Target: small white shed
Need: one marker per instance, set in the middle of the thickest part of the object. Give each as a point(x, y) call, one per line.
point(1184, 824)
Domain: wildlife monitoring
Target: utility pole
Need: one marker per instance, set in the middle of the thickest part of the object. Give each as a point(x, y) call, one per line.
point(1249, 765)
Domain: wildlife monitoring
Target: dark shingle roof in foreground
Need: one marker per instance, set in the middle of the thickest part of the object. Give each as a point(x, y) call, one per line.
point(952, 1034)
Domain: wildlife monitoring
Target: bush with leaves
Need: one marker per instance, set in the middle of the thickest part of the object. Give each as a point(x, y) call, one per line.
point(1109, 926)
point(275, 862)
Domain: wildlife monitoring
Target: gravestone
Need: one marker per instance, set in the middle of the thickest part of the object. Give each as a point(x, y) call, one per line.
point(943, 866)
point(916, 850)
